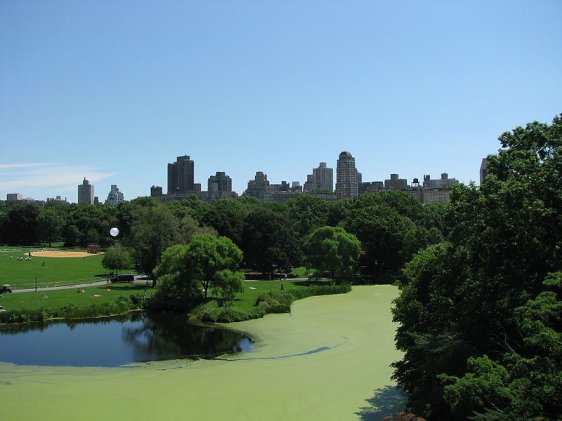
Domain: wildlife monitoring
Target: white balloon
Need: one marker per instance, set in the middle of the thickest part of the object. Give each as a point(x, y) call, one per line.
point(114, 232)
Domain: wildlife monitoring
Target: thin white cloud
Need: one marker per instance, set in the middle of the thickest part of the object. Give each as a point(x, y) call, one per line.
point(25, 165)
point(35, 176)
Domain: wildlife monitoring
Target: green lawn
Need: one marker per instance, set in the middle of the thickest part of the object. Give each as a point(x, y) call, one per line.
point(48, 271)
point(52, 300)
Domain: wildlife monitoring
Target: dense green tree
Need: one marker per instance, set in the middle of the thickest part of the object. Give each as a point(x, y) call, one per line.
point(334, 251)
point(214, 262)
point(383, 233)
point(154, 230)
point(269, 243)
point(479, 328)
point(188, 271)
point(227, 217)
point(308, 213)
point(50, 224)
point(117, 258)
point(20, 224)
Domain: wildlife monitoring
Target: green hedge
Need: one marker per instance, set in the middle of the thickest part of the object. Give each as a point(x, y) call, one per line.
point(266, 303)
point(71, 311)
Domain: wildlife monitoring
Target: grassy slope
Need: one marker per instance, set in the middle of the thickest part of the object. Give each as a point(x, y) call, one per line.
point(29, 301)
point(49, 271)
point(342, 383)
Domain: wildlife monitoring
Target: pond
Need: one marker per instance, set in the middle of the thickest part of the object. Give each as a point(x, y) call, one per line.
point(113, 342)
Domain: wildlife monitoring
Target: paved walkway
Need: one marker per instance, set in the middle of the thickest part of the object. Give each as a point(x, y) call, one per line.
point(138, 279)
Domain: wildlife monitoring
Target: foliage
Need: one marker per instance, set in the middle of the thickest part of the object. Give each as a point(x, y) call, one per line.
point(271, 300)
point(479, 329)
point(154, 229)
point(268, 242)
point(187, 270)
point(117, 258)
point(383, 233)
point(334, 251)
point(49, 225)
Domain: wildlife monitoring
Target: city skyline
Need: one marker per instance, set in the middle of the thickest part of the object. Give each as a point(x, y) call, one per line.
point(112, 92)
point(188, 166)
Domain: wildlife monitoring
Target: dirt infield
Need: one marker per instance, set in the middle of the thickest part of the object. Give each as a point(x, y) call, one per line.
point(60, 254)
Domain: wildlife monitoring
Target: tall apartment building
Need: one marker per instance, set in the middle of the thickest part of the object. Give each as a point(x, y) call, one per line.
point(13, 197)
point(86, 192)
point(396, 183)
point(219, 186)
point(258, 186)
point(321, 180)
point(114, 196)
point(180, 176)
point(441, 183)
point(483, 170)
point(346, 176)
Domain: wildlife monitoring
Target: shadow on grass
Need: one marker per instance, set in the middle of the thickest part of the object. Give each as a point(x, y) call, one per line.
point(388, 400)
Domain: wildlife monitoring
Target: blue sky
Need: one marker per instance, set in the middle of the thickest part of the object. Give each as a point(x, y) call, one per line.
point(114, 90)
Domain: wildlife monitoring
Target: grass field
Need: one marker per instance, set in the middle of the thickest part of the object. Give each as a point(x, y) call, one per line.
point(21, 274)
point(52, 300)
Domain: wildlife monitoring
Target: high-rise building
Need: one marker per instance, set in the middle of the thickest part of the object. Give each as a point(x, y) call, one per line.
point(396, 183)
point(13, 197)
point(114, 196)
point(483, 169)
point(156, 191)
point(346, 176)
point(258, 186)
point(219, 186)
point(321, 180)
point(86, 192)
point(181, 175)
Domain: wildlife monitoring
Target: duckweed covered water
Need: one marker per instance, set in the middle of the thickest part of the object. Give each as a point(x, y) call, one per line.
point(335, 361)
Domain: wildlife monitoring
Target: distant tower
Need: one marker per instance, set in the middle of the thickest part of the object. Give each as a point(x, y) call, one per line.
point(180, 176)
point(86, 192)
point(346, 176)
point(114, 196)
point(258, 186)
point(483, 170)
point(323, 178)
point(219, 186)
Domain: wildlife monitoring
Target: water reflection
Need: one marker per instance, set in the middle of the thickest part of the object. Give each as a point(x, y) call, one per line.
point(136, 337)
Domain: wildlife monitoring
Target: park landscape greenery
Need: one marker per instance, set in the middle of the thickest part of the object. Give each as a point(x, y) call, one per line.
point(479, 311)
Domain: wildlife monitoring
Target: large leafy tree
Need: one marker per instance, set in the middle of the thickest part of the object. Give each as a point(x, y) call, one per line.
point(334, 251)
point(479, 326)
point(50, 224)
point(227, 217)
point(214, 262)
point(20, 224)
point(383, 233)
point(307, 213)
point(153, 231)
point(117, 258)
point(207, 262)
point(268, 242)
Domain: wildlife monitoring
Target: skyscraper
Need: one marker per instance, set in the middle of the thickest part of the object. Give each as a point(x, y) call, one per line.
point(86, 192)
point(323, 178)
point(346, 176)
point(180, 176)
point(114, 196)
point(219, 186)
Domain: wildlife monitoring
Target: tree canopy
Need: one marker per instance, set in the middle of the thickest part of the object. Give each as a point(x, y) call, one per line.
point(480, 314)
point(334, 251)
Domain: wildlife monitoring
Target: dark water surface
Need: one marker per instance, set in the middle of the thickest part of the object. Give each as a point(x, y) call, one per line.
point(135, 337)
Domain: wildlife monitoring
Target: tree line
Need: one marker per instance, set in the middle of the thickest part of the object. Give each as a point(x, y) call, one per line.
point(382, 230)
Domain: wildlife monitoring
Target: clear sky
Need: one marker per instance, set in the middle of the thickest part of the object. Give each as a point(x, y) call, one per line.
point(114, 90)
